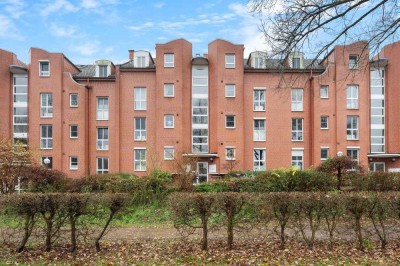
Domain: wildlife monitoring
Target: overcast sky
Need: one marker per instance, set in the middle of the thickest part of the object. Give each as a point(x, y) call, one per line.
point(88, 30)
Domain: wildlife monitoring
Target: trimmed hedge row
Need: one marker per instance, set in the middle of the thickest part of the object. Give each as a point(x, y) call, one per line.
point(307, 213)
point(50, 213)
point(302, 181)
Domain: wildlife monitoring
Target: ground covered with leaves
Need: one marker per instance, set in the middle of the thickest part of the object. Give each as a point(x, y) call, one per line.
point(177, 251)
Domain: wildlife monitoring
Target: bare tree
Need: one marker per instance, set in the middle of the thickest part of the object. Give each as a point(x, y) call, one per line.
point(184, 170)
point(315, 26)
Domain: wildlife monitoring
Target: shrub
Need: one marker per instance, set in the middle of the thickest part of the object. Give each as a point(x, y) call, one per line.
point(191, 211)
point(41, 179)
point(376, 181)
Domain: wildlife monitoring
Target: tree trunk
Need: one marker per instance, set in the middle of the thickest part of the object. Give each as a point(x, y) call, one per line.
point(97, 242)
point(72, 220)
point(204, 244)
point(230, 233)
point(339, 176)
point(29, 223)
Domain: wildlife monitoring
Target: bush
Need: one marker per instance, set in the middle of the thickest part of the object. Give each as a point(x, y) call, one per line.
point(376, 181)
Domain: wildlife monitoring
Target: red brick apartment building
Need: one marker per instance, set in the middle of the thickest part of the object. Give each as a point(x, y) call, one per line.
point(217, 108)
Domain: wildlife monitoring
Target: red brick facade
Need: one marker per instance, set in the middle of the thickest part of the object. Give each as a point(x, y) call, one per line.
point(280, 145)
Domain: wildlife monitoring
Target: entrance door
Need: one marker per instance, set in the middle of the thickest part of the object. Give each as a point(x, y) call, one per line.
point(202, 172)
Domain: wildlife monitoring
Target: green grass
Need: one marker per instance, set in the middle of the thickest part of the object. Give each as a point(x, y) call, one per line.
point(148, 214)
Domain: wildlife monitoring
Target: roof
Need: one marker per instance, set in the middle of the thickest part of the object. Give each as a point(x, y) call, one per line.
point(277, 64)
point(89, 71)
point(131, 64)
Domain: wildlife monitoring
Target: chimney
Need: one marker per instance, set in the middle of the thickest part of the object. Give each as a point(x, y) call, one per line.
point(205, 55)
point(131, 53)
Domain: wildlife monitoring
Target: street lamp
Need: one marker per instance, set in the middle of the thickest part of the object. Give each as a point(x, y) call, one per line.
point(340, 153)
point(46, 162)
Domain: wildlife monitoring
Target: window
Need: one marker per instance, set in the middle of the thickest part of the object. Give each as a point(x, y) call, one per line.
point(324, 153)
point(230, 90)
point(297, 159)
point(377, 167)
point(140, 128)
point(324, 92)
point(230, 61)
point(102, 108)
point(168, 121)
point(168, 90)
point(230, 121)
point(44, 68)
point(353, 61)
point(352, 127)
point(140, 99)
point(140, 61)
point(353, 153)
point(168, 153)
point(140, 159)
point(259, 160)
point(73, 163)
point(73, 131)
point(230, 153)
point(259, 100)
point(168, 60)
point(102, 138)
point(259, 130)
point(352, 97)
point(103, 71)
point(73, 100)
point(46, 136)
point(46, 105)
point(102, 165)
point(324, 122)
point(296, 62)
point(297, 100)
point(258, 62)
point(297, 129)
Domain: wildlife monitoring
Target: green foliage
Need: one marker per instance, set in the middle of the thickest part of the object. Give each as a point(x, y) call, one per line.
point(376, 181)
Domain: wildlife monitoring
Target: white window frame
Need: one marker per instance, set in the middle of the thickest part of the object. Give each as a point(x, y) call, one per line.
point(230, 88)
point(70, 131)
point(257, 163)
point(102, 110)
point(140, 61)
point(102, 170)
point(46, 111)
point(73, 165)
point(167, 60)
point(351, 129)
point(142, 132)
point(355, 64)
point(327, 122)
point(230, 153)
point(374, 166)
point(166, 121)
point(41, 72)
point(258, 62)
point(259, 105)
point(103, 143)
point(140, 99)
point(234, 121)
point(142, 163)
point(259, 134)
point(101, 71)
point(299, 61)
point(297, 134)
point(297, 98)
point(352, 100)
point(169, 150)
point(350, 152)
point(299, 152)
point(228, 62)
point(48, 140)
point(324, 88)
point(70, 100)
point(171, 85)
point(327, 153)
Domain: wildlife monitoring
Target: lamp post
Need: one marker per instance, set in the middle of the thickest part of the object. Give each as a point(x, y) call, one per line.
point(46, 162)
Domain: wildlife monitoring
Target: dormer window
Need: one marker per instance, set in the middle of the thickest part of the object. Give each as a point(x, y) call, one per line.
point(296, 62)
point(44, 68)
point(258, 62)
point(141, 59)
point(103, 68)
point(103, 71)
